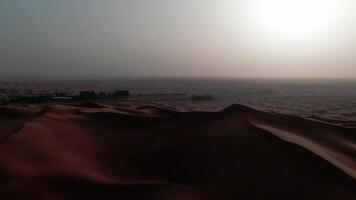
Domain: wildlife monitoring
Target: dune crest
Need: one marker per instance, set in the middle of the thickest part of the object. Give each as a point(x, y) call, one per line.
point(92, 151)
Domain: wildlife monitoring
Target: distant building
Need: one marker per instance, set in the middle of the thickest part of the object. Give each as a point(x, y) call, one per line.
point(60, 94)
point(121, 93)
point(87, 94)
point(3, 102)
point(102, 95)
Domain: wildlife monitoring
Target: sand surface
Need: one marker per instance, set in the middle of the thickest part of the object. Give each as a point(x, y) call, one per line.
point(92, 151)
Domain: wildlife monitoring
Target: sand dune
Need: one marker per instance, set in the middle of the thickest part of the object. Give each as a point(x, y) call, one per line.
point(92, 151)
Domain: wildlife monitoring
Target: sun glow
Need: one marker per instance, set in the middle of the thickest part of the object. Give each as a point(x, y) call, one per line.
point(293, 21)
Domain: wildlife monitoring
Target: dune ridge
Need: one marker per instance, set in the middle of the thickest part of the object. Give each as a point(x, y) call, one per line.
point(94, 151)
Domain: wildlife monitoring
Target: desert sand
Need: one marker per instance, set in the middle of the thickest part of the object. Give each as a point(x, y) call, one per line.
point(92, 151)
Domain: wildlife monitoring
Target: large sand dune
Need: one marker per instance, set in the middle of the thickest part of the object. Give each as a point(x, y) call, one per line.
point(92, 151)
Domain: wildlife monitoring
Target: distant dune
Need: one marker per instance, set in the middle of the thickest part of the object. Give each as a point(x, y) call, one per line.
point(92, 151)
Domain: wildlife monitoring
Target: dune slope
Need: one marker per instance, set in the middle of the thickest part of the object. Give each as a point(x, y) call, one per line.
point(107, 152)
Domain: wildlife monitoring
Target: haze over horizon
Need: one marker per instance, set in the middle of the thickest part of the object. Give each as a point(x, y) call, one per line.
point(244, 38)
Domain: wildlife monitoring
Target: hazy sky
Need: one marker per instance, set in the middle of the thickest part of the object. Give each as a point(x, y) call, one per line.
point(246, 38)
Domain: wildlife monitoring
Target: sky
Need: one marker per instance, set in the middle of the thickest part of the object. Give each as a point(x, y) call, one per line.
point(214, 38)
